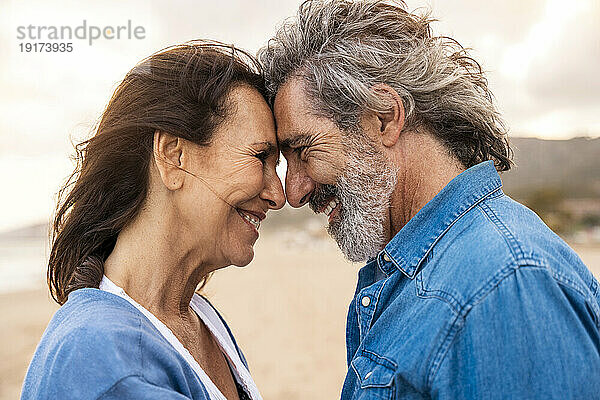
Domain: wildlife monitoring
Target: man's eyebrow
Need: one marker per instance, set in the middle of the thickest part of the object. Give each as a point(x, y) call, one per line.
point(295, 141)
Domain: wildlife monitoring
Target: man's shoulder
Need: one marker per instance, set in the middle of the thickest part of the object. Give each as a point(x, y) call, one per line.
point(490, 242)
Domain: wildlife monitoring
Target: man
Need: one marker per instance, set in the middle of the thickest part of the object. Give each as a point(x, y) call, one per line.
point(393, 134)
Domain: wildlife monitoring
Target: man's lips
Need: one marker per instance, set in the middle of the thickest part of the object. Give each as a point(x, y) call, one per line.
point(334, 212)
point(322, 197)
point(331, 204)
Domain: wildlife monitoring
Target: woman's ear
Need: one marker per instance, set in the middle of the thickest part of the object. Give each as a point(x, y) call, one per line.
point(168, 154)
point(391, 122)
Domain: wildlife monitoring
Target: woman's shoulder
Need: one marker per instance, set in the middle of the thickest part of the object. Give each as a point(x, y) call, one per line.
point(94, 340)
point(93, 314)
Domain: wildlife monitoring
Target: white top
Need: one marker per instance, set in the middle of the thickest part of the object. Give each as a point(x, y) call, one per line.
point(214, 324)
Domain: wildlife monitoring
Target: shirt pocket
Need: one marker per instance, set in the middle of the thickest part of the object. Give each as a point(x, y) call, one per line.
point(375, 376)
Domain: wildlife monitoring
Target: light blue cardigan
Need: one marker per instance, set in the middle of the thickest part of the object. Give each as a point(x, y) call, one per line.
point(99, 346)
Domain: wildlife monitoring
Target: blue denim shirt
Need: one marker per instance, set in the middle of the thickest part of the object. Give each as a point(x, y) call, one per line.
point(475, 298)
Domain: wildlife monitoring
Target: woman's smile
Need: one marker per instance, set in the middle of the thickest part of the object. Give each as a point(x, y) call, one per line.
point(252, 218)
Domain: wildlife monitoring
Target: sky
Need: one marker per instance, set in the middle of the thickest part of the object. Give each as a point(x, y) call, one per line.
point(542, 59)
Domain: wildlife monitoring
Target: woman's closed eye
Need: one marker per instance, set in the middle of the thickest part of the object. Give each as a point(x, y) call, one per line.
point(265, 155)
point(262, 156)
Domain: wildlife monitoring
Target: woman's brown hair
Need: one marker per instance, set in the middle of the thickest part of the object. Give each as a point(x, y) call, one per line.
point(181, 90)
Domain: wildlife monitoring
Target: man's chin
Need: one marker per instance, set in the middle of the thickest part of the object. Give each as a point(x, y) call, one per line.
point(348, 246)
point(357, 243)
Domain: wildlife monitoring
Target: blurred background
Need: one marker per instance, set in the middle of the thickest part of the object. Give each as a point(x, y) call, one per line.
point(288, 307)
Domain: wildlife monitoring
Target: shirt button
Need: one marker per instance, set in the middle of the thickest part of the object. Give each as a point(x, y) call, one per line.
point(366, 301)
point(386, 257)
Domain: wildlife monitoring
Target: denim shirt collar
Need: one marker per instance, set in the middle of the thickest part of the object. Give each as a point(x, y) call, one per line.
point(412, 244)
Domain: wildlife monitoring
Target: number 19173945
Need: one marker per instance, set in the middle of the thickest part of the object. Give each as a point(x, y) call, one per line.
point(46, 47)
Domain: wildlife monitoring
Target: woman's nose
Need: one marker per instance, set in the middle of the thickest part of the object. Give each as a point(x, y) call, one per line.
point(273, 192)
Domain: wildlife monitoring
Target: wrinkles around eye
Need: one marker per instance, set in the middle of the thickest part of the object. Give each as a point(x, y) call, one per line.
point(302, 152)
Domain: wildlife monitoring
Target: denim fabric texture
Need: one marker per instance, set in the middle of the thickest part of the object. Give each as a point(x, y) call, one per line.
point(99, 346)
point(475, 298)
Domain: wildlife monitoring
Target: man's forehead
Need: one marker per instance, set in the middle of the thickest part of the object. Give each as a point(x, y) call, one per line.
point(296, 122)
point(291, 94)
point(291, 106)
point(293, 117)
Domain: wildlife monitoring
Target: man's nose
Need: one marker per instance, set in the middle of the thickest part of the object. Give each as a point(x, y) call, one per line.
point(298, 186)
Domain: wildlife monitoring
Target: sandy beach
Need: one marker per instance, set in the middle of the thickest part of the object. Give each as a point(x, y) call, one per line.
point(287, 310)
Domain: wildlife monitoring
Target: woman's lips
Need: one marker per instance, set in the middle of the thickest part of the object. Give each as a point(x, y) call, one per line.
point(252, 218)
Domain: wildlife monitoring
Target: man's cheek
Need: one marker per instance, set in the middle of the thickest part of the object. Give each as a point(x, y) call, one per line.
point(324, 171)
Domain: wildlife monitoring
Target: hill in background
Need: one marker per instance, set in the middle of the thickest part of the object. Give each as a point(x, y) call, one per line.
point(570, 166)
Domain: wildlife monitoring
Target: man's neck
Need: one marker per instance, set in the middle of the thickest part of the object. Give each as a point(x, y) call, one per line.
point(425, 167)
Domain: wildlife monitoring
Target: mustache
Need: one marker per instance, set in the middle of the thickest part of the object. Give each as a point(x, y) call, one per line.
point(321, 196)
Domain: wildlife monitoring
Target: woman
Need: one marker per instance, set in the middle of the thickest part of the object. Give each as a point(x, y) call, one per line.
point(172, 186)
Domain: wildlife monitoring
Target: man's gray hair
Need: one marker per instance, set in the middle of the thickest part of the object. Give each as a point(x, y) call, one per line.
point(342, 49)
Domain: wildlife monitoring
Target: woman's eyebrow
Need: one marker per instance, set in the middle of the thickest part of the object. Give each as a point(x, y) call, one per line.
point(270, 148)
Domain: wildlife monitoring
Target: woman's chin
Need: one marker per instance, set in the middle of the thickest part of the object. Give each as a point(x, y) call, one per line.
point(237, 250)
point(243, 259)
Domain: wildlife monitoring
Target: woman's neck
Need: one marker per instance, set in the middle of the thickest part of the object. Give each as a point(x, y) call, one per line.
point(155, 268)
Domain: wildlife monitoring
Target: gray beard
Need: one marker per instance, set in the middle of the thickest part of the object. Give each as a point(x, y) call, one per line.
point(364, 191)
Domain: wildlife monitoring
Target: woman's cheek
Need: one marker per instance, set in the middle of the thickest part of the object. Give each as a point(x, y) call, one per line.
point(253, 181)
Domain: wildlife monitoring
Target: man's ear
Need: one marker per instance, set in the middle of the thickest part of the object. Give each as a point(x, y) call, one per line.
point(168, 154)
point(390, 122)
